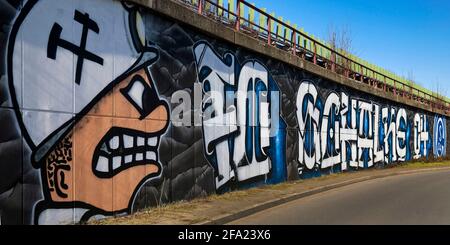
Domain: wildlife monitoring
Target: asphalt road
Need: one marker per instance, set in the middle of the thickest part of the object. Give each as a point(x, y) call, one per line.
point(420, 198)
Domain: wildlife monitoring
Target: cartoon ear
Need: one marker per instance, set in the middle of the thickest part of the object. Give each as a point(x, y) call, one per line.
point(137, 27)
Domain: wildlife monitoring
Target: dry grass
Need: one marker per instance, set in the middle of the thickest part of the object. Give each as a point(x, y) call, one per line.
point(424, 164)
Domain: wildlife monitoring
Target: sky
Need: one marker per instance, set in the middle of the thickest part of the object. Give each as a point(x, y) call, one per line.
point(403, 36)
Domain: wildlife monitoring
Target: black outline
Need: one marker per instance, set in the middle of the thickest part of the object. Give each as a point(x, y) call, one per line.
point(126, 90)
point(150, 98)
point(133, 11)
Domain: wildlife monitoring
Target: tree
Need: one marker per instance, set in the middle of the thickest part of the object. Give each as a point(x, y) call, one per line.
point(439, 94)
point(340, 41)
point(410, 80)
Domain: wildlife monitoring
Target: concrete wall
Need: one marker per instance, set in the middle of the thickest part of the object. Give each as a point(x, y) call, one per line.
point(107, 107)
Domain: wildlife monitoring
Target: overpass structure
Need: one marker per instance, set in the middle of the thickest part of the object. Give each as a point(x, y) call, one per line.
point(108, 106)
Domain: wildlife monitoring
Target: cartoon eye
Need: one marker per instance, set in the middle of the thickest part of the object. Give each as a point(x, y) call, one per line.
point(136, 93)
point(141, 95)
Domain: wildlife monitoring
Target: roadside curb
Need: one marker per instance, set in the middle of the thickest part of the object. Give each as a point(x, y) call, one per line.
point(226, 218)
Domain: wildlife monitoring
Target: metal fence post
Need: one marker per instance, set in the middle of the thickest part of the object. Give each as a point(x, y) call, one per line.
point(395, 88)
point(361, 78)
point(269, 29)
point(315, 52)
point(200, 6)
point(333, 61)
point(238, 13)
point(294, 43)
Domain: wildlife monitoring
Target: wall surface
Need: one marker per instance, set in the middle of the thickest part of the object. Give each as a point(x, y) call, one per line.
point(107, 107)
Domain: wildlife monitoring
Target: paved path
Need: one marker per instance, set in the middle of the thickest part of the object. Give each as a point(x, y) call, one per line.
point(419, 198)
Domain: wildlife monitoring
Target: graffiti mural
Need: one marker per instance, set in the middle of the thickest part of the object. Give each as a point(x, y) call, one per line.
point(85, 159)
point(354, 133)
point(242, 133)
point(107, 108)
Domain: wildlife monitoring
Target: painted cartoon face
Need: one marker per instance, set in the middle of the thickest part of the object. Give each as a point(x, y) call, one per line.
point(88, 106)
point(108, 159)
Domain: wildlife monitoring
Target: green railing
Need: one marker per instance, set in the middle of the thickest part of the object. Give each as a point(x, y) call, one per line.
point(245, 17)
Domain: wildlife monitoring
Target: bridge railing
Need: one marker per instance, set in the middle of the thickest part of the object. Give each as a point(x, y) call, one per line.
point(280, 34)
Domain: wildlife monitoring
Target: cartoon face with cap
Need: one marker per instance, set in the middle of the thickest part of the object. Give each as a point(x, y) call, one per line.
point(79, 77)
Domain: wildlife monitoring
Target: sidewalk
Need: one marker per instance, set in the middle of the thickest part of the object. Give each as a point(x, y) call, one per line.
point(220, 209)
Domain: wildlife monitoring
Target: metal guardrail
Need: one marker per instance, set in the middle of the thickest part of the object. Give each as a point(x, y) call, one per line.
point(284, 36)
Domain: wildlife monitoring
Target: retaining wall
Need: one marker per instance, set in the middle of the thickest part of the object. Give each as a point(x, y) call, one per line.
point(107, 107)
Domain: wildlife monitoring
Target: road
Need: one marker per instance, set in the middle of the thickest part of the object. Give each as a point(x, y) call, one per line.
point(419, 198)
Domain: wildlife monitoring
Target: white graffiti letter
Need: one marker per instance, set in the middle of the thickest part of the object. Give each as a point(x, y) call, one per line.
point(378, 152)
point(348, 132)
point(307, 91)
point(333, 129)
point(401, 135)
point(420, 135)
point(253, 74)
point(390, 131)
point(365, 137)
point(221, 121)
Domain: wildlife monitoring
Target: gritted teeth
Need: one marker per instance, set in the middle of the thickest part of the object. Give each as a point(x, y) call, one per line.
point(103, 163)
point(129, 142)
point(122, 150)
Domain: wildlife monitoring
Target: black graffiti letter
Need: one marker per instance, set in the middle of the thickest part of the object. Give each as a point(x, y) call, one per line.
point(55, 41)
